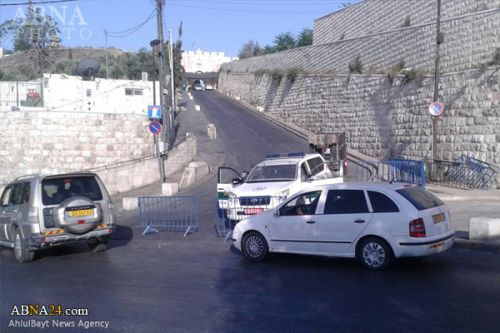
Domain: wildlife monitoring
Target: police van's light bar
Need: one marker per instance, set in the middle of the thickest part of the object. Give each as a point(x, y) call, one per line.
point(284, 155)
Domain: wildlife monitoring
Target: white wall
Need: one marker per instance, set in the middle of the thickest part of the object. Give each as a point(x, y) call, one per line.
point(200, 61)
point(71, 93)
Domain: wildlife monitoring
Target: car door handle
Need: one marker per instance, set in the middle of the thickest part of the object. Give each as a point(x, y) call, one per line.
point(310, 222)
point(359, 221)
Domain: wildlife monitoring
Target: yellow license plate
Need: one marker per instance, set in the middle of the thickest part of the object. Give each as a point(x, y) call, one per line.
point(82, 212)
point(438, 218)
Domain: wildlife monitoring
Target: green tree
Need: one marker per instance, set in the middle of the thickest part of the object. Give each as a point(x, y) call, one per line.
point(250, 49)
point(305, 37)
point(284, 41)
point(33, 30)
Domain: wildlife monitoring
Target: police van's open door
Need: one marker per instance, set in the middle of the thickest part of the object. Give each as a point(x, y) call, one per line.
point(226, 179)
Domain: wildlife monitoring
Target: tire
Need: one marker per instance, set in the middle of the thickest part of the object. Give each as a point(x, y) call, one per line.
point(254, 246)
point(375, 254)
point(21, 252)
point(98, 245)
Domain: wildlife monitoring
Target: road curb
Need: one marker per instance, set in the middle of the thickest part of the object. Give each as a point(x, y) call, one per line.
point(476, 245)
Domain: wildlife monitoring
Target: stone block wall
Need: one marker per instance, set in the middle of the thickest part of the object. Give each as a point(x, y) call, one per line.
point(374, 16)
point(469, 42)
point(384, 119)
point(50, 141)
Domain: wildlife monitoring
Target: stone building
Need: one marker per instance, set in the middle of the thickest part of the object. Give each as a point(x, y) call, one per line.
point(201, 62)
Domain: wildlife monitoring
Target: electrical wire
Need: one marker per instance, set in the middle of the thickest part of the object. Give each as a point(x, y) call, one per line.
point(128, 32)
point(42, 2)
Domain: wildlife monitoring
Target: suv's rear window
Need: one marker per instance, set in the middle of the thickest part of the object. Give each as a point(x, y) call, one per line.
point(420, 198)
point(56, 190)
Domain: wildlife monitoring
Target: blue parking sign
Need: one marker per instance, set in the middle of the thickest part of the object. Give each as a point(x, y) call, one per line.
point(154, 112)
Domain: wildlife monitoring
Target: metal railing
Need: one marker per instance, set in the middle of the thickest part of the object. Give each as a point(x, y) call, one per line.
point(394, 170)
point(465, 172)
point(172, 213)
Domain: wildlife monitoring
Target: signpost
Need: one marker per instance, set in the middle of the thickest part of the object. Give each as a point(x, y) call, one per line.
point(436, 109)
point(154, 112)
point(155, 128)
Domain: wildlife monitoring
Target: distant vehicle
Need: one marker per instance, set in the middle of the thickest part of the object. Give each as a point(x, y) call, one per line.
point(209, 86)
point(268, 183)
point(373, 222)
point(39, 212)
point(198, 86)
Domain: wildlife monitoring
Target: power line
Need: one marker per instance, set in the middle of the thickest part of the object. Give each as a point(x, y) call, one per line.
point(42, 2)
point(127, 32)
point(246, 10)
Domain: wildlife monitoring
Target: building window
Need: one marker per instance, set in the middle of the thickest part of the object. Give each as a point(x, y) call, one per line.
point(132, 92)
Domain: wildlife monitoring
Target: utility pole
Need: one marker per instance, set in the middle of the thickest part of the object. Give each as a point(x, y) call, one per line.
point(439, 40)
point(171, 112)
point(106, 49)
point(161, 74)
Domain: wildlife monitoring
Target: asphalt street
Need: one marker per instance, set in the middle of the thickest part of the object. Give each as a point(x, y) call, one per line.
point(167, 283)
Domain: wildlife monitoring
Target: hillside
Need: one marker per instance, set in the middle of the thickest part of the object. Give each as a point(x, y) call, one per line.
point(21, 66)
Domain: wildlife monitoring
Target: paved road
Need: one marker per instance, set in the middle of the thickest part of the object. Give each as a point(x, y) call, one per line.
point(167, 283)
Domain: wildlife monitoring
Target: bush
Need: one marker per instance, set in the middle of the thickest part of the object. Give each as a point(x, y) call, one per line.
point(355, 66)
point(395, 70)
point(291, 75)
point(276, 76)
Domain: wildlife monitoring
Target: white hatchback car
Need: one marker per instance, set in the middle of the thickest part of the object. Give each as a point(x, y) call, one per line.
point(373, 222)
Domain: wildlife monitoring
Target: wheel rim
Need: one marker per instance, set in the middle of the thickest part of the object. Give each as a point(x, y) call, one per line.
point(254, 246)
point(373, 255)
point(18, 246)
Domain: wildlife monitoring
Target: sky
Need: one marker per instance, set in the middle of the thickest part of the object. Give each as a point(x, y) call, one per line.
point(209, 25)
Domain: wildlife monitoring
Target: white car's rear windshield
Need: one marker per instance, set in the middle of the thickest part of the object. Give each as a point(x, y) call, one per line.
point(420, 198)
point(270, 173)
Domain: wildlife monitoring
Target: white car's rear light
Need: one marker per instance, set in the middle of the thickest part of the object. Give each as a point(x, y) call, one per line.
point(417, 228)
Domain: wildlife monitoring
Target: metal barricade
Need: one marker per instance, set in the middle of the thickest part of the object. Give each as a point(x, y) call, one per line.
point(465, 172)
point(223, 226)
point(235, 209)
point(172, 213)
point(394, 170)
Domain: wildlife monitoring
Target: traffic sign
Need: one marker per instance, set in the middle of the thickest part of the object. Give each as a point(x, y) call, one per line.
point(154, 127)
point(436, 109)
point(154, 112)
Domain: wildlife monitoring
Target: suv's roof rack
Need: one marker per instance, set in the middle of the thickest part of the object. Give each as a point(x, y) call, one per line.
point(284, 155)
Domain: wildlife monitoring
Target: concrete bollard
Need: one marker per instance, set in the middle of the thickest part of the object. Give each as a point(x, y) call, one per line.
point(194, 172)
point(169, 188)
point(197, 107)
point(484, 228)
point(130, 203)
point(212, 132)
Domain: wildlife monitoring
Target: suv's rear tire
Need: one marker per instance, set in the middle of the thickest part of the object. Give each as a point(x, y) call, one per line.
point(21, 252)
point(98, 245)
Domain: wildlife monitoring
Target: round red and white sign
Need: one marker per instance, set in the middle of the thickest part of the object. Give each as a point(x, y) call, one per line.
point(436, 109)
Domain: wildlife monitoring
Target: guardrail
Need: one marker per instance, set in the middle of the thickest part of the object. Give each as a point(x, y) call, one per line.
point(465, 172)
point(169, 213)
